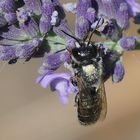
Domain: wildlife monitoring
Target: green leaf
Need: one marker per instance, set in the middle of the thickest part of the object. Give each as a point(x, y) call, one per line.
point(113, 46)
point(55, 42)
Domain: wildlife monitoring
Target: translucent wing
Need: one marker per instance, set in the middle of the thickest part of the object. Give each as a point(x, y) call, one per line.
point(92, 104)
point(102, 93)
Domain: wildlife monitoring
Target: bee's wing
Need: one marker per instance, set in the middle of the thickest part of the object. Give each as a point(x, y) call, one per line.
point(81, 84)
point(102, 93)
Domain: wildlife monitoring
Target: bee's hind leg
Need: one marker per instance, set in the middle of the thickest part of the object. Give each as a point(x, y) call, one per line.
point(76, 99)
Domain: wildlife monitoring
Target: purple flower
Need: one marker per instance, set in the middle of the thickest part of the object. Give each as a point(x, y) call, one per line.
point(82, 28)
point(63, 26)
point(121, 10)
point(27, 22)
point(82, 7)
point(128, 43)
point(26, 25)
point(109, 30)
point(52, 16)
point(27, 49)
point(118, 73)
point(70, 43)
point(54, 61)
point(59, 82)
point(29, 33)
point(7, 10)
point(34, 5)
point(19, 42)
point(134, 7)
point(85, 15)
point(45, 21)
point(91, 14)
point(7, 53)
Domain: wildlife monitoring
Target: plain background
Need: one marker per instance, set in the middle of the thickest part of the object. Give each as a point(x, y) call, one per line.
point(29, 112)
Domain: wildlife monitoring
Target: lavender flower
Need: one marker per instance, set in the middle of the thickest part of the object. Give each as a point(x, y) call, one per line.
point(54, 61)
point(118, 73)
point(45, 21)
point(28, 26)
point(85, 14)
point(34, 5)
point(30, 33)
point(7, 12)
point(23, 40)
point(134, 7)
point(121, 10)
point(128, 43)
point(85, 17)
point(59, 82)
point(82, 28)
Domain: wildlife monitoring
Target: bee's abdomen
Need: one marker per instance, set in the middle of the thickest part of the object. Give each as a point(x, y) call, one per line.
point(89, 108)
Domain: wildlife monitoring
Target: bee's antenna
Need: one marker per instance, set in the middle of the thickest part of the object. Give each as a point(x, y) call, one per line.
point(60, 50)
point(72, 37)
point(93, 31)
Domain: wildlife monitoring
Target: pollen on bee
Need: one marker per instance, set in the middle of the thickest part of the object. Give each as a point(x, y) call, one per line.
point(89, 69)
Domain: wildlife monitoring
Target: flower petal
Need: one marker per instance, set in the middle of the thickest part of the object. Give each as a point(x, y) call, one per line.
point(45, 21)
point(134, 7)
point(82, 7)
point(118, 72)
point(46, 79)
point(59, 82)
point(45, 24)
point(7, 6)
point(3, 21)
point(13, 33)
point(54, 61)
point(91, 14)
point(33, 5)
point(115, 9)
point(7, 53)
point(63, 26)
point(123, 15)
point(26, 49)
point(10, 18)
point(128, 43)
point(82, 27)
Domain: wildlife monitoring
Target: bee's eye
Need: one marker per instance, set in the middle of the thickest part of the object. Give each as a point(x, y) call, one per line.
point(77, 54)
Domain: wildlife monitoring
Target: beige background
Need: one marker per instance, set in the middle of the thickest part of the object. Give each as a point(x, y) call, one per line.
point(28, 112)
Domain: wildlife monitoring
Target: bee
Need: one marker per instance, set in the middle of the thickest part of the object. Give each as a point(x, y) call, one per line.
point(88, 77)
point(87, 64)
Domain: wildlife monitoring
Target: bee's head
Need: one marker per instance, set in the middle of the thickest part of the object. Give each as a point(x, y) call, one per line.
point(84, 52)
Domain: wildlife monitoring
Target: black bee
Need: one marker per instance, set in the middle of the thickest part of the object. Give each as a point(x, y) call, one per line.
point(88, 72)
point(86, 62)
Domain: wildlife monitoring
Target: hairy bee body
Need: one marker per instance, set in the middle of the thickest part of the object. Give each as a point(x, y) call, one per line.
point(88, 77)
point(89, 107)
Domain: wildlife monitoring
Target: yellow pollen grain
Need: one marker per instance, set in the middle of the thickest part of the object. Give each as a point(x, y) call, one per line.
point(89, 69)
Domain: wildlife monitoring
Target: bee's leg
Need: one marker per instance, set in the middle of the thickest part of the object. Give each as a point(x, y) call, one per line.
point(76, 99)
point(74, 65)
point(73, 81)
